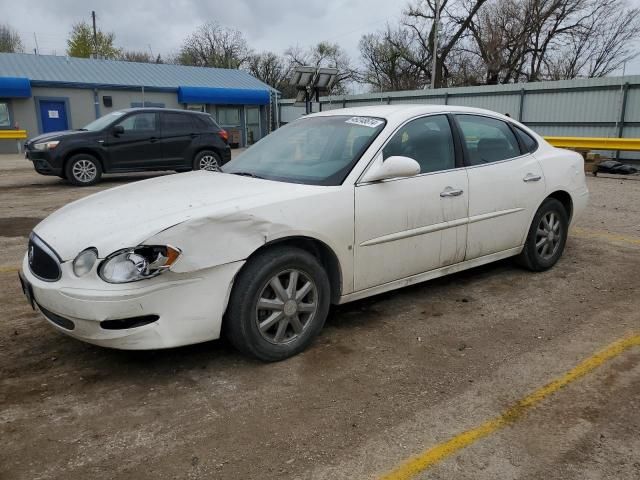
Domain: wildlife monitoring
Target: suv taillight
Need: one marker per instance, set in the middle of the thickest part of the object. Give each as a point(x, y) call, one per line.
point(224, 135)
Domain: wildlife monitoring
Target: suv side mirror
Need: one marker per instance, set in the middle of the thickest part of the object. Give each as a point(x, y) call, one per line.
point(118, 130)
point(393, 167)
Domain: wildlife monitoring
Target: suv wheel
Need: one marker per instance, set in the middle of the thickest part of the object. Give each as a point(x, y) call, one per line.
point(207, 160)
point(278, 304)
point(83, 170)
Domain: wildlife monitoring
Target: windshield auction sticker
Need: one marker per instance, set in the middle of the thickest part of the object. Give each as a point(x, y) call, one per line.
point(365, 121)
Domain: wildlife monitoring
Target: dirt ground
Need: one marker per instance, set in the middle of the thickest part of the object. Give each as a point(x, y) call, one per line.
point(389, 376)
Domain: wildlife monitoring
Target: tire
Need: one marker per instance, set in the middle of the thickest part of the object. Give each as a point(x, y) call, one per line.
point(271, 334)
point(83, 170)
point(207, 160)
point(546, 238)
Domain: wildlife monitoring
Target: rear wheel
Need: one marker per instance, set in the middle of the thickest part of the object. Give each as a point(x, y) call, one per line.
point(207, 160)
point(546, 238)
point(278, 305)
point(83, 170)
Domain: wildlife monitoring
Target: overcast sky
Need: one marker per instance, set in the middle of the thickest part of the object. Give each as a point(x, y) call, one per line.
point(161, 26)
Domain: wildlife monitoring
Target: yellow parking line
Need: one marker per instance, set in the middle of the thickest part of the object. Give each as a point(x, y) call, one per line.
point(611, 237)
point(433, 455)
point(9, 269)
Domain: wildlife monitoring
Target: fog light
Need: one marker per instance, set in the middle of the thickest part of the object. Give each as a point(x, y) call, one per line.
point(84, 261)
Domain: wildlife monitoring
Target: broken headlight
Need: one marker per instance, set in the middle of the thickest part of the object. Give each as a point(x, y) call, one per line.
point(138, 263)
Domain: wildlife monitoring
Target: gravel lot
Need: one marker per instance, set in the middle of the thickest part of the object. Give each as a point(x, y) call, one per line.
point(388, 377)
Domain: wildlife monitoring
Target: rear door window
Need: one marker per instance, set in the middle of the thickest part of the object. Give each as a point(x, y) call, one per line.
point(487, 139)
point(176, 124)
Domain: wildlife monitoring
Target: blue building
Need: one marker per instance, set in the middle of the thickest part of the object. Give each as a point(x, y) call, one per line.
point(44, 93)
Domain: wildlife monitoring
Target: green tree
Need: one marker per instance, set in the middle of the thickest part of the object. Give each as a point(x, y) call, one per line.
point(81, 43)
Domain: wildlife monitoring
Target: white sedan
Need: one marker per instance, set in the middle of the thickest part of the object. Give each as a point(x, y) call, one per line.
point(331, 208)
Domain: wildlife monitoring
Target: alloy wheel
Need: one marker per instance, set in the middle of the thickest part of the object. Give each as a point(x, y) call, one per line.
point(84, 171)
point(548, 235)
point(209, 162)
point(286, 306)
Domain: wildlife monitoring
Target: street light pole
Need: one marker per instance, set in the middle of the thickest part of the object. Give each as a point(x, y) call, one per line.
point(435, 45)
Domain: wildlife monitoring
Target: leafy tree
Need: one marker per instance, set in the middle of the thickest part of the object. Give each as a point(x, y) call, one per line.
point(10, 41)
point(81, 43)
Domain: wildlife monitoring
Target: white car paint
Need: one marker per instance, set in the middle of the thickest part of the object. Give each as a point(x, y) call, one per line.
point(384, 234)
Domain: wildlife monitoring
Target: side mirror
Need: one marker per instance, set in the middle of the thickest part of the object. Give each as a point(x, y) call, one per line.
point(118, 130)
point(392, 167)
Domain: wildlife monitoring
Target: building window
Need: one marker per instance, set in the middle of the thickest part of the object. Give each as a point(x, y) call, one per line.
point(228, 115)
point(5, 122)
point(195, 107)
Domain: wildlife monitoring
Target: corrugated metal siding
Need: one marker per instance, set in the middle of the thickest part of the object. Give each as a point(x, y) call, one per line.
point(50, 68)
point(559, 108)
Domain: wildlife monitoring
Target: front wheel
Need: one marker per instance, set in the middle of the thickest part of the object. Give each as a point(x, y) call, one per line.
point(83, 170)
point(207, 160)
point(278, 304)
point(546, 238)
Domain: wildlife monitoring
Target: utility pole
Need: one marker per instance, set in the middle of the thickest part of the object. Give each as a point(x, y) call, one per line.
point(37, 49)
point(434, 66)
point(95, 34)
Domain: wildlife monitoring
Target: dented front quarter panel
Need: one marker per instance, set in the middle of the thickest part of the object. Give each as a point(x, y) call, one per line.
point(227, 235)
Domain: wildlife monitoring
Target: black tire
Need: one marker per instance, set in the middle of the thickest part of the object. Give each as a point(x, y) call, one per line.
point(254, 282)
point(205, 158)
point(83, 170)
point(534, 256)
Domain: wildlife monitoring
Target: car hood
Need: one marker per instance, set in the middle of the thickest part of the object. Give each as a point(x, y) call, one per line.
point(126, 216)
point(55, 136)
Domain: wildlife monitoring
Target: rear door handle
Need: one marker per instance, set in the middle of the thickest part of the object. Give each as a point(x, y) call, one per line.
point(450, 192)
point(530, 177)
point(153, 139)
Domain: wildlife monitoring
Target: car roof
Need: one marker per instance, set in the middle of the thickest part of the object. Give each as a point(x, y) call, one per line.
point(160, 109)
point(400, 110)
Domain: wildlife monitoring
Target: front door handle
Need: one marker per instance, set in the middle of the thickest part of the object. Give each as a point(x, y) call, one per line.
point(450, 192)
point(530, 177)
point(153, 139)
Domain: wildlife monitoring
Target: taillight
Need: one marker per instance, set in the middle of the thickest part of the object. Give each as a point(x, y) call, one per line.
point(224, 135)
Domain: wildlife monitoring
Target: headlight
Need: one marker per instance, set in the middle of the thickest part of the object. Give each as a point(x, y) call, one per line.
point(83, 263)
point(46, 145)
point(138, 263)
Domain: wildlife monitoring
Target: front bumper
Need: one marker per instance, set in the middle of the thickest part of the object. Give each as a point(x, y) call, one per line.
point(189, 306)
point(43, 162)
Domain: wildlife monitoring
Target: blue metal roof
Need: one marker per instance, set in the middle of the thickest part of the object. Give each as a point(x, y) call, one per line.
point(72, 71)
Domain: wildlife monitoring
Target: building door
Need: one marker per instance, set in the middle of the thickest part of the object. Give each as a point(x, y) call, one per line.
point(229, 118)
point(53, 115)
point(253, 124)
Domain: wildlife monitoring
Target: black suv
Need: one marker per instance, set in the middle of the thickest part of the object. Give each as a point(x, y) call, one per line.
point(131, 140)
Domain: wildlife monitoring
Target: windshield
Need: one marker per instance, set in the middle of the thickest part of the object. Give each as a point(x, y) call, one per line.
point(314, 151)
point(102, 122)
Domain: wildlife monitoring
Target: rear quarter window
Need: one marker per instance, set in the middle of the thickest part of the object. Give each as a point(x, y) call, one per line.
point(529, 143)
point(206, 123)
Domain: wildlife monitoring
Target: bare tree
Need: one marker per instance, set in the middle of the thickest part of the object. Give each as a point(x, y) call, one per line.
point(389, 59)
point(600, 45)
point(10, 41)
point(455, 16)
point(213, 45)
point(139, 57)
point(271, 69)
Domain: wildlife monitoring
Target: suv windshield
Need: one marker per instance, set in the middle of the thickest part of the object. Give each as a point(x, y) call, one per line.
point(314, 151)
point(102, 122)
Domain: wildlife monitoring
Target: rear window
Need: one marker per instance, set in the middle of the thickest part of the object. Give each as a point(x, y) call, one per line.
point(206, 122)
